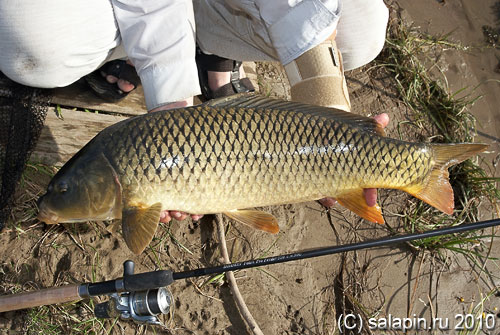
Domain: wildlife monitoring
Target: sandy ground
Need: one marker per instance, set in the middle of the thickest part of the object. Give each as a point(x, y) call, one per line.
point(302, 297)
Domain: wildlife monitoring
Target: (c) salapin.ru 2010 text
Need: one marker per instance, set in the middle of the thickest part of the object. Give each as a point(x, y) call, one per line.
point(483, 321)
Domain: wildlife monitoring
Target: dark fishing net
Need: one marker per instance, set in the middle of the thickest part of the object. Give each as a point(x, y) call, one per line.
point(22, 113)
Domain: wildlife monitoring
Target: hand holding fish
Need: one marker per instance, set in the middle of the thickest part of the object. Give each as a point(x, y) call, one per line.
point(166, 216)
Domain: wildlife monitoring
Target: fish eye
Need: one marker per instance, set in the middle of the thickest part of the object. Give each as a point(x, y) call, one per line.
point(61, 187)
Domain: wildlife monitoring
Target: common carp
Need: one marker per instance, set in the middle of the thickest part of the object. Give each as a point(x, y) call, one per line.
point(240, 152)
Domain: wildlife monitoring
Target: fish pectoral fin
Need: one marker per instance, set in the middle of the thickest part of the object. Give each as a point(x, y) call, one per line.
point(355, 201)
point(139, 224)
point(255, 219)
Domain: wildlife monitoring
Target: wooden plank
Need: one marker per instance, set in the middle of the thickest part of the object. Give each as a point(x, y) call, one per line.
point(79, 95)
point(62, 138)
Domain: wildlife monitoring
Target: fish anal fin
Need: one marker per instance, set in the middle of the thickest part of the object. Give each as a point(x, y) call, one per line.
point(355, 201)
point(436, 189)
point(255, 219)
point(139, 224)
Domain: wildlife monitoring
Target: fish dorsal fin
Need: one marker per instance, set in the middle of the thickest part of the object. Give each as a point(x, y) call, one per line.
point(139, 224)
point(255, 219)
point(355, 201)
point(252, 100)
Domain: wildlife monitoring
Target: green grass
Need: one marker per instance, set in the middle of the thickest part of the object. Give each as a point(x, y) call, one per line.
point(71, 318)
point(58, 111)
point(39, 322)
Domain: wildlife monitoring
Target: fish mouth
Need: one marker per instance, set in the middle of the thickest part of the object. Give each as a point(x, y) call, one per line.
point(48, 216)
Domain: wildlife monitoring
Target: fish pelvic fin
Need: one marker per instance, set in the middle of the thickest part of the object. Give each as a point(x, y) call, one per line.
point(255, 219)
point(139, 224)
point(436, 189)
point(355, 201)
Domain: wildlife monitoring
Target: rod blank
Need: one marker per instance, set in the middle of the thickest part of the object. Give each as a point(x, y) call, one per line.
point(335, 249)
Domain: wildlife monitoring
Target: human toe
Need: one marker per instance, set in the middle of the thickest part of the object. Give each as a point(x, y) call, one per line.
point(125, 85)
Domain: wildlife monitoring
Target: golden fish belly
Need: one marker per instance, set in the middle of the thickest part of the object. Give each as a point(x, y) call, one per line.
point(210, 160)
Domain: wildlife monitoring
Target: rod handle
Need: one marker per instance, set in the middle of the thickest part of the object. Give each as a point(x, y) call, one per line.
point(47, 296)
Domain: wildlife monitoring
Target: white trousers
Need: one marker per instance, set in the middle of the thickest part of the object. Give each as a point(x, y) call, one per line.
point(53, 43)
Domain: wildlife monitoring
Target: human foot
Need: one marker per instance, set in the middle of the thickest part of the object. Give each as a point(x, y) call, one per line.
point(124, 84)
point(220, 77)
point(114, 80)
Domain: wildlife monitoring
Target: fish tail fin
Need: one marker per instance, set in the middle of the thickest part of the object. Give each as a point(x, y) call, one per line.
point(437, 190)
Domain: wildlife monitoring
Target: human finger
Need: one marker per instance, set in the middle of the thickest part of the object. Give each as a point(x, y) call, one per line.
point(382, 119)
point(196, 217)
point(370, 196)
point(165, 217)
point(179, 216)
point(328, 202)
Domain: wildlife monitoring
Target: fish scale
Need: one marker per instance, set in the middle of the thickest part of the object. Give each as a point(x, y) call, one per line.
point(211, 159)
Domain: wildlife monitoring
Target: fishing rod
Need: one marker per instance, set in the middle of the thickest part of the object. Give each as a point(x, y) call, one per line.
point(142, 297)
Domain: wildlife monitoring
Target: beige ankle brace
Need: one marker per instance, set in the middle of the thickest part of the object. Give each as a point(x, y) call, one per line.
point(317, 77)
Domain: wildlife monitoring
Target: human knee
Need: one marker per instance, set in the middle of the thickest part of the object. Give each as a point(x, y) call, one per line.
point(55, 42)
point(26, 55)
point(361, 31)
point(32, 70)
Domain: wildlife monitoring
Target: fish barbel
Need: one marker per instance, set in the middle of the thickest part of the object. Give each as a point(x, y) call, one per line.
point(235, 153)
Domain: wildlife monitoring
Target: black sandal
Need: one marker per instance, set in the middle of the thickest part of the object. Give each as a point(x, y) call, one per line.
point(215, 63)
point(106, 90)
